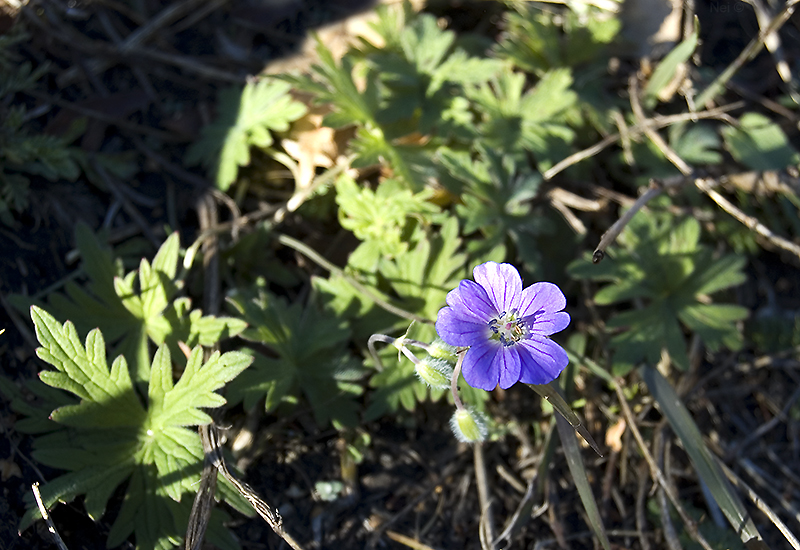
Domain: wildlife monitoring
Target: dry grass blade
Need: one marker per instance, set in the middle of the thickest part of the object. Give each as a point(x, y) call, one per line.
point(46, 517)
point(763, 506)
point(572, 453)
point(704, 462)
point(272, 517)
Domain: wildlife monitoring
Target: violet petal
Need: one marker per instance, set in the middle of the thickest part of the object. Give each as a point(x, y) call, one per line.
point(479, 368)
point(541, 297)
point(508, 363)
point(549, 323)
point(542, 360)
point(456, 330)
point(470, 299)
point(502, 283)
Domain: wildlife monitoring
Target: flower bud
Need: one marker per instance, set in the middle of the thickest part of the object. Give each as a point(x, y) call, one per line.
point(436, 373)
point(469, 425)
point(440, 350)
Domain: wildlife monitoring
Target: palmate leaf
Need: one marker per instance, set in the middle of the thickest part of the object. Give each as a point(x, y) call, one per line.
point(310, 355)
point(130, 310)
point(515, 120)
point(537, 41)
point(664, 265)
point(760, 144)
point(496, 193)
point(423, 277)
point(109, 436)
point(247, 116)
point(423, 69)
point(333, 85)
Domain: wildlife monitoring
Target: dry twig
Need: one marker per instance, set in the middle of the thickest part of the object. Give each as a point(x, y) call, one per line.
point(46, 517)
point(706, 186)
point(636, 130)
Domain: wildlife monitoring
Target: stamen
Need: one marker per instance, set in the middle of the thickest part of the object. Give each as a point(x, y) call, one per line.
point(508, 328)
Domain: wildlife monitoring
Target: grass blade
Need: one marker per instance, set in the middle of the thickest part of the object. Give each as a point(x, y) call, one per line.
point(704, 462)
point(551, 393)
point(578, 471)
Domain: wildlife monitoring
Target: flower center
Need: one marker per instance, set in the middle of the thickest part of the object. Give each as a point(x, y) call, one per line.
point(508, 328)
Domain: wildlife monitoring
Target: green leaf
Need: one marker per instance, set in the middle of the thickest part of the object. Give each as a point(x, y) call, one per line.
point(381, 217)
point(538, 41)
point(515, 121)
point(426, 273)
point(671, 274)
point(311, 357)
point(704, 462)
point(130, 310)
point(576, 467)
point(715, 324)
point(107, 396)
point(696, 144)
point(666, 69)
point(760, 144)
point(334, 85)
point(421, 278)
point(247, 116)
point(549, 98)
point(496, 197)
point(109, 437)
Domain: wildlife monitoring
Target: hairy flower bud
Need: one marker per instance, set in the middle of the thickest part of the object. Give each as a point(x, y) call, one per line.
point(441, 350)
point(469, 425)
point(436, 373)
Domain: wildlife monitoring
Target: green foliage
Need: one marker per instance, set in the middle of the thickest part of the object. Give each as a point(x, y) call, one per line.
point(538, 42)
point(514, 120)
point(496, 200)
point(668, 67)
point(379, 218)
point(334, 85)
point(246, 118)
point(134, 308)
point(409, 87)
point(110, 436)
point(308, 354)
point(760, 144)
point(669, 275)
point(421, 278)
point(422, 69)
point(24, 152)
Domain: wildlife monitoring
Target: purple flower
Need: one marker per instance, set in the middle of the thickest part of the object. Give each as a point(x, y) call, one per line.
point(505, 327)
